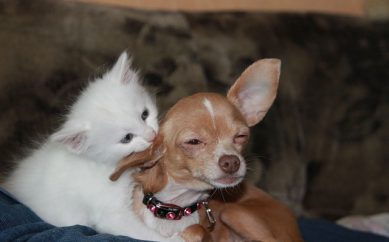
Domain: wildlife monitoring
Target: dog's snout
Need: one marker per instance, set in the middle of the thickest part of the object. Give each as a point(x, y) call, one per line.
point(229, 163)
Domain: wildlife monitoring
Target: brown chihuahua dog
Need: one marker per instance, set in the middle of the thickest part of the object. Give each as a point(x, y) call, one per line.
point(198, 150)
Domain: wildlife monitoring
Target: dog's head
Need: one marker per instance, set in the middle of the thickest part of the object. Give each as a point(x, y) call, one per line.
point(204, 134)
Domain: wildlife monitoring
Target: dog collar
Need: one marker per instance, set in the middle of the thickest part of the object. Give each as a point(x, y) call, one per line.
point(167, 210)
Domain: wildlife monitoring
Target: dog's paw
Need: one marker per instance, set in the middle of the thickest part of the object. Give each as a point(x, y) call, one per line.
point(196, 233)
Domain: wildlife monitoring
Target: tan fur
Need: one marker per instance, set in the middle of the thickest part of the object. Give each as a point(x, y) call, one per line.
point(153, 179)
point(181, 163)
point(269, 72)
point(250, 214)
point(144, 159)
point(196, 233)
point(137, 204)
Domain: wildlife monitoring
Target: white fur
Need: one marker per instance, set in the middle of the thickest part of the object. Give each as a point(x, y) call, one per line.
point(209, 107)
point(66, 181)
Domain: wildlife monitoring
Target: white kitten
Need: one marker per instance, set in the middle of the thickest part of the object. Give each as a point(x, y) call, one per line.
point(66, 181)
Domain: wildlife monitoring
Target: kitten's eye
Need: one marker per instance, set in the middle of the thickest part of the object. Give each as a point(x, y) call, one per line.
point(127, 139)
point(193, 142)
point(145, 114)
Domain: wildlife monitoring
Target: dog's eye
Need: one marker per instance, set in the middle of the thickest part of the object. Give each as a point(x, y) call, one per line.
point(145, 114)
point(193, 142)
point(127, 139)
point(241, 138)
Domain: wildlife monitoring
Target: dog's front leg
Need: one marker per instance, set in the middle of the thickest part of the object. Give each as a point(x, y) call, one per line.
point(196, 233)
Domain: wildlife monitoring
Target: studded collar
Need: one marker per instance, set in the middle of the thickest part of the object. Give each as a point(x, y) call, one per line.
point(174, 212)
point(167, 210)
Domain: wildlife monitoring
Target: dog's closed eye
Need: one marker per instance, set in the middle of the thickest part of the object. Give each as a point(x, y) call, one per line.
point(192, 145)
point(193, 142)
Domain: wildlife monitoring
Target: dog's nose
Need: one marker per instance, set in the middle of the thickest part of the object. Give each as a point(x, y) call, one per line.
point(229, 163)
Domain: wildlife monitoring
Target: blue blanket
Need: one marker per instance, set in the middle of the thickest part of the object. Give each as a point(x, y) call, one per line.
point(18, 223)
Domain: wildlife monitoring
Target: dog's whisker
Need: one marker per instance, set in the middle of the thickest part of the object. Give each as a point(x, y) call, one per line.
point(227, 191)
point(249, 168)
point(221, 193)
point(213, 193)
point(235, 189)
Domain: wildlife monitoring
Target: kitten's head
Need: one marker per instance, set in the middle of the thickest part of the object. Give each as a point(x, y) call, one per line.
point(113, 117)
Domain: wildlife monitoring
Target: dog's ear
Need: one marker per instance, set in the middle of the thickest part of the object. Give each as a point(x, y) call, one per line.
point(144, 159)
point(153, 179)
point(255, 90)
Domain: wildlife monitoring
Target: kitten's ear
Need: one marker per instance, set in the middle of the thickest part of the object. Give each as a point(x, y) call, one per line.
point(121, 72)
point(255, 90)
point(73, 135)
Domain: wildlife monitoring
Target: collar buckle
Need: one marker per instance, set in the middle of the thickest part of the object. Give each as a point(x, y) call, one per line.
point(210, 217)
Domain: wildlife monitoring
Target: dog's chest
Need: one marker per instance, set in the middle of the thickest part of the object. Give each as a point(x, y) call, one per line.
point(168, 228)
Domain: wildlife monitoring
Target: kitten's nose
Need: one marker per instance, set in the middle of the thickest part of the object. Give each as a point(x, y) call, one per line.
point(229, 163)
point(150, 136)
